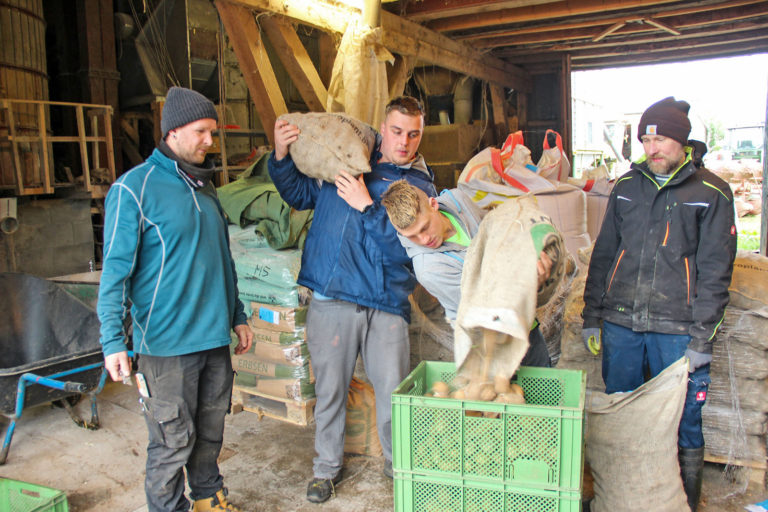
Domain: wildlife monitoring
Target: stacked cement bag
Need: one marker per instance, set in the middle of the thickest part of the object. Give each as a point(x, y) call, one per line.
point(734, 416)
point(277, 367)
point(573, 353)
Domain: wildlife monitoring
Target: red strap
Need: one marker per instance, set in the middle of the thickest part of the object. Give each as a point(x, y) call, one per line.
point(499, 168)
point(558, 140)
point(588, 186)
point(513, 139)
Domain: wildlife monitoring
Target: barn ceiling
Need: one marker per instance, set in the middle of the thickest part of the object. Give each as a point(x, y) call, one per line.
point(596, 33)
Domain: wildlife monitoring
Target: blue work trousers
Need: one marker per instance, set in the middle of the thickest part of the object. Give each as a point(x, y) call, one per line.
point(629, 356)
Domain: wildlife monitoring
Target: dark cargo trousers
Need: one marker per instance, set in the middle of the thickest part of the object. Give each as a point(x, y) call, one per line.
point(189, 398)
point(336, 332)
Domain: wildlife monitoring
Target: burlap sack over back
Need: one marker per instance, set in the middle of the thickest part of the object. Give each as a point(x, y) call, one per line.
point(499, 288)
point(329, 142)
point(631, 445)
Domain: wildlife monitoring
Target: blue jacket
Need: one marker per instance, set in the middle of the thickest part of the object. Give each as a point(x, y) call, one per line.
point(350, 255)
point(166, 250)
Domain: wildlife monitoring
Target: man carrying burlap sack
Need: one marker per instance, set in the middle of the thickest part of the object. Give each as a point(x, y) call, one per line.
point(659, 274)
point(436, 232)
point(361, 278)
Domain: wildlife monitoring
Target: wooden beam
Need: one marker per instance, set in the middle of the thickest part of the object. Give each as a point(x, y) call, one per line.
point(701, 14)
point(531, 13)
point(730, 32)
point(662, 26)
point(403, 37)
point(254, 63)
point(327, 49)
point(498, 102)
point(408, 38)
point(427, 10)
point(670, 55)
point(613, 28)
point(296, 61)
point(398, 75)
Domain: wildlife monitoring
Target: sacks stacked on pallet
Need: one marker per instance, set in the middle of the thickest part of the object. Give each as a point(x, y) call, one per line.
point(274, 377)
point(734, 417)
point(597, 184)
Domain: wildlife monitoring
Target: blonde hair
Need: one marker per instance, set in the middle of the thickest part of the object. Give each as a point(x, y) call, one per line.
point(404, 203)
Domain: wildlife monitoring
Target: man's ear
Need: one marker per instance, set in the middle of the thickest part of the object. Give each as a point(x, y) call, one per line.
point(434, 204)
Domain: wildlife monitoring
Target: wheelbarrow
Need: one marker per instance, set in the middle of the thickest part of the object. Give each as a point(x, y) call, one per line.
point(46, 338)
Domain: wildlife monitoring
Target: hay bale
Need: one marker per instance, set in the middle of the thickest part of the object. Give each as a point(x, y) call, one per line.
point(329, 142)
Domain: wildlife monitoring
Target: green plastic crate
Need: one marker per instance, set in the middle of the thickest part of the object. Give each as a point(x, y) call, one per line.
point(16, 496)
point(539, 445)
point(419, 493)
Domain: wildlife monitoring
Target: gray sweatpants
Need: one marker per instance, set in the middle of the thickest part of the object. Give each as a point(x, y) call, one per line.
point(336, 332)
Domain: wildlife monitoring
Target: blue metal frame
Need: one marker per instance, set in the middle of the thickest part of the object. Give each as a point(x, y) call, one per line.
point(51, 381)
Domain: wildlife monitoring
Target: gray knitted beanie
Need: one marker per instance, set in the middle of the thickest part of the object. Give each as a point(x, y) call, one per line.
point(184, 106)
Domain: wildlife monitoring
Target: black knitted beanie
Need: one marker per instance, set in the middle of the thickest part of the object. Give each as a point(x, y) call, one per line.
point(667, 117)
point(184, 106)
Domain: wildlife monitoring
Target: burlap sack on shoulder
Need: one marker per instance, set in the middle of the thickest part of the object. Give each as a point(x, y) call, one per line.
point(631, 445)
point(330, 141)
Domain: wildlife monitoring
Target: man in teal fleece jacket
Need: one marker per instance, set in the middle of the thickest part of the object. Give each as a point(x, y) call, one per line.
point(166, 253)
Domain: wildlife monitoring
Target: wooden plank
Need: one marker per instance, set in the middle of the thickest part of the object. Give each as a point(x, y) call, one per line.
point(296, 60)
point(254, 63)
point(549, 11)
point(83, 147)
point(426, 10)
point(757, 468)
point(291, 411)
point(403, 37)
point(46, 168)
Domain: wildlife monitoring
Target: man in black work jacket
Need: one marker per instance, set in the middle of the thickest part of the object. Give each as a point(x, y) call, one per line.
point(659, 275)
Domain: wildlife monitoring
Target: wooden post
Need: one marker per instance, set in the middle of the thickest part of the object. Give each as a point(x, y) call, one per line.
point(46, 170)
point(83, 147)
point(110, 143)
point(8, 105)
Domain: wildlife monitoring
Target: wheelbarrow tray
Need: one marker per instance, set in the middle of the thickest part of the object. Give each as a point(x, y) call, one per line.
point(45, 331)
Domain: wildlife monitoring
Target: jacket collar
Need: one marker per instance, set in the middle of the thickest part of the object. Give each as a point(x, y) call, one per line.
point(686, 169)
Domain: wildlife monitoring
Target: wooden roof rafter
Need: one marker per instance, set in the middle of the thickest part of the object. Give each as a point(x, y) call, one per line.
point(400, 36)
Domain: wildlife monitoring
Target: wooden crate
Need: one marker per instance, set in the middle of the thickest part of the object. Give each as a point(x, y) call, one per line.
point(283, 409)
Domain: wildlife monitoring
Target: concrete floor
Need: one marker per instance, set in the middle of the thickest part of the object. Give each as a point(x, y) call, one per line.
point(266, 463)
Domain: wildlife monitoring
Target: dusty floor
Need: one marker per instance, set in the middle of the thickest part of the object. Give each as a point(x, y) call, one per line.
point(266, 463)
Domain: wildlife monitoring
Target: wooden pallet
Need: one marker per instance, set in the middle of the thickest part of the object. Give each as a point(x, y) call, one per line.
point(248, 399)
point(757, 469)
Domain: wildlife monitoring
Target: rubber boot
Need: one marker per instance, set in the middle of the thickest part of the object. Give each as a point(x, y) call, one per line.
point(216, 502)
point(691, 466)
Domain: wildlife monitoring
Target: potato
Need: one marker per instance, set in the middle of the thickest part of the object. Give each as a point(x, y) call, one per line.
point(510, 398)
point(516, 388)
point(473, 390)
point(501, 384)
point(458, 394)
point(441, 389)
point(487, 393)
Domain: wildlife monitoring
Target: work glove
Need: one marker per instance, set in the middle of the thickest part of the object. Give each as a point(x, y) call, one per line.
point(593, 339)
point(696, 359)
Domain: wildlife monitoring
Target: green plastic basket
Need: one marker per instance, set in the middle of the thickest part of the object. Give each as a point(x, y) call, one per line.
point(419, 493)
point(16, 496)
point(538, 445)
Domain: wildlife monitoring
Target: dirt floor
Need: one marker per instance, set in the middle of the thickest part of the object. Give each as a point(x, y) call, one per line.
point(266, 463)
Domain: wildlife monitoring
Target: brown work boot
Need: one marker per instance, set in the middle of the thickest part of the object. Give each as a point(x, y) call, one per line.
point(216, 502)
